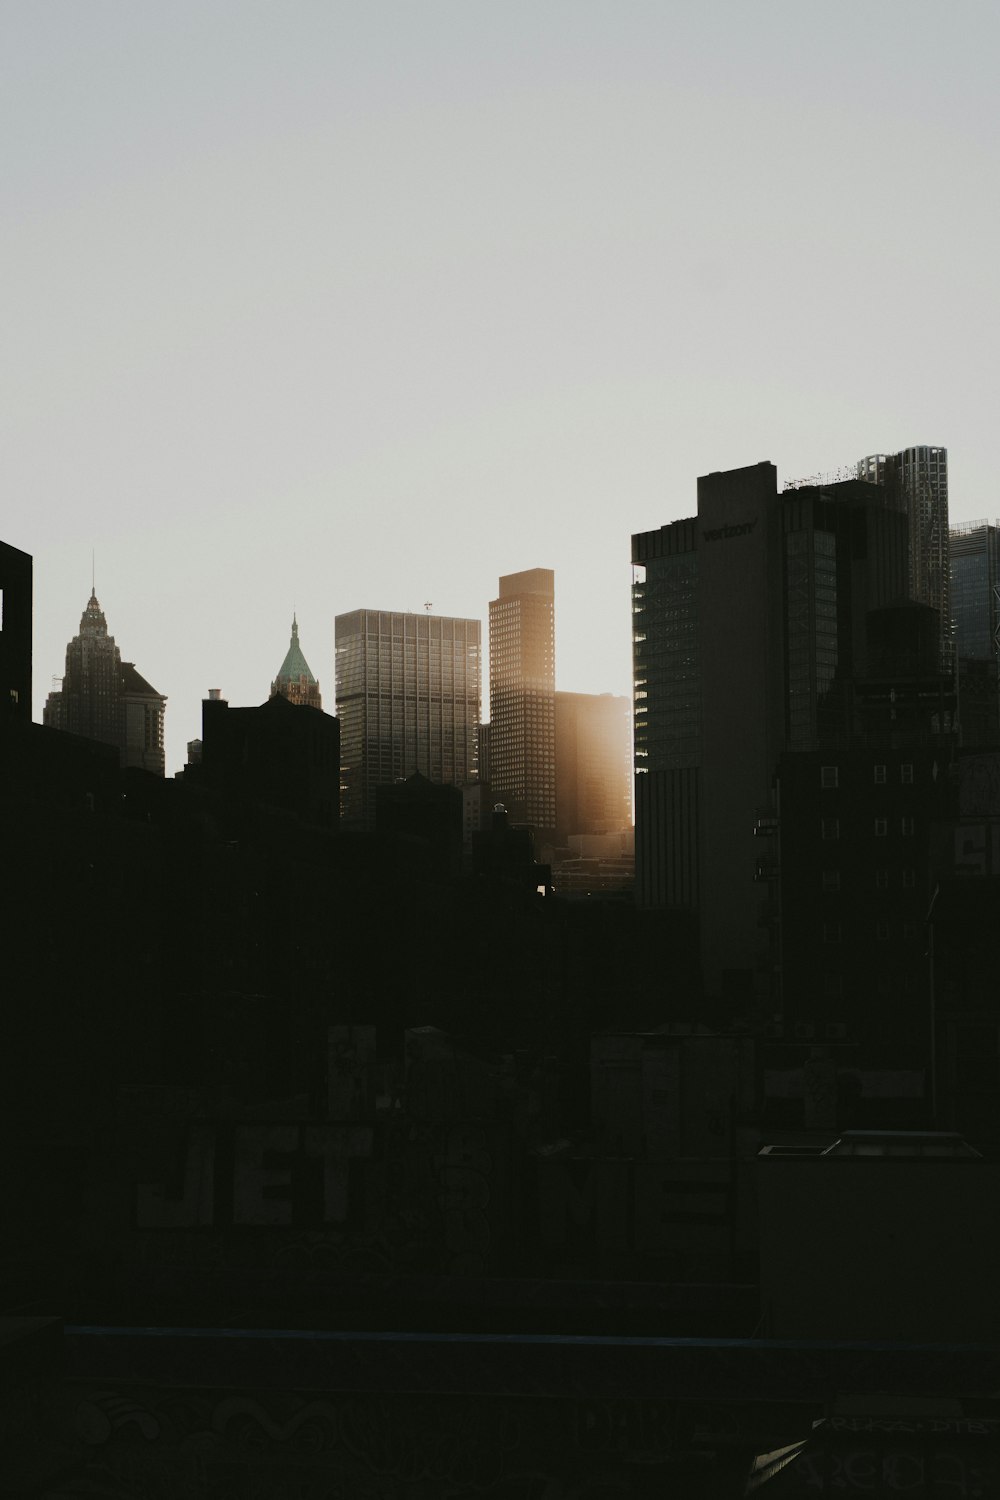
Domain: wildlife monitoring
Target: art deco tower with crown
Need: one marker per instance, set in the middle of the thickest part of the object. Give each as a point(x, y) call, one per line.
point(103, 698)
point(294, 680)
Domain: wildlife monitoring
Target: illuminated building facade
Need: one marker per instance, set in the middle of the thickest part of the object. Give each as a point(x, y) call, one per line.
point(593, 749)
point(409, 696)
point(522, 698)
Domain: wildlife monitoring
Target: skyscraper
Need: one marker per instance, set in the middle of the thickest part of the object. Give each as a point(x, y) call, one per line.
point(750, 624)
point(593, 764)
point(104, 699)
point(142, 709)
point(522, 697)
point(15, 633)
point(975, 604)
point(916, 480)
point(295, 680)
point(409, 695)
point(975, 591)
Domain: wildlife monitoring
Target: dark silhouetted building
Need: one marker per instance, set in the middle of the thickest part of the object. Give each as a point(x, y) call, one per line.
point(975, 591)
point(295, 680)
point(420, 825)
point(281, 755)
point(852, 1235)
point(852, 847)
point(89, 701)
point(485, 753)
point(975, 604)
point(852, 877)
point(15, 632)
point(104, 699)
point(978, 702)
point(915, 481)
point(750, 628)
point(505, 853)
point(522, 698)
point(409, 695)
point(142, 711)
point(964, 941)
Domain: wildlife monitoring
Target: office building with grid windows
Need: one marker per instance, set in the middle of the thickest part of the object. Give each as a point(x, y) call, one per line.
point(975, 606)
point(522, 698)
point(409, 696)
point(975, 591)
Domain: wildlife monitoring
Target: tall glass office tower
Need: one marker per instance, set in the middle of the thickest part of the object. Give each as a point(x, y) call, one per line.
point(409, 694)
point(522, 697)
point(975, 591)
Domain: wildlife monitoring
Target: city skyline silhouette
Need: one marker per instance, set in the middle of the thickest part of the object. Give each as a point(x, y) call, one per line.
point(373, 306)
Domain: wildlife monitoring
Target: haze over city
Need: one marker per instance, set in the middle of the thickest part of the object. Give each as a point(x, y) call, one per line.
point(556, 1054)
point(318, 307)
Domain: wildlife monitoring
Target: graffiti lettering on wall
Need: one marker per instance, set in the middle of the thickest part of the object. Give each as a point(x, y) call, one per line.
point(965, 1474)
point(201, 1442)
point(277, 1174)
point(435, 1184)
point(433, 1197)
point(612, 1204)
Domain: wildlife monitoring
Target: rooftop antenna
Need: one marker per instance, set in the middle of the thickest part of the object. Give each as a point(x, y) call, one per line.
point(93, 573)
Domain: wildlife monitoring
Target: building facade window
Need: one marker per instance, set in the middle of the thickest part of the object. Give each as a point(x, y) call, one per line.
point(828, 777)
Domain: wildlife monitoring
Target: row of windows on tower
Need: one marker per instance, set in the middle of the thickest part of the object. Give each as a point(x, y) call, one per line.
point(829, 776)
point(830, 827)
point(883, 931)
point(882, 880)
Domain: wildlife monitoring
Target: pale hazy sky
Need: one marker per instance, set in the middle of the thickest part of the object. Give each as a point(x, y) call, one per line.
point(316, 306)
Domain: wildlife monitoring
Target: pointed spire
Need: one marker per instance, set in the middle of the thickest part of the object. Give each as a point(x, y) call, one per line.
point(295, 681)
point(92, 621)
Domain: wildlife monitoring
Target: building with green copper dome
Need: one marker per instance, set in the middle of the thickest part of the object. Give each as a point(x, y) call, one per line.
point(295, 681)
